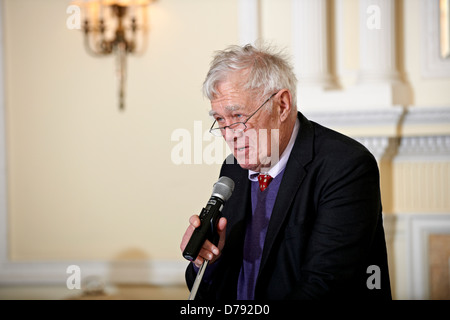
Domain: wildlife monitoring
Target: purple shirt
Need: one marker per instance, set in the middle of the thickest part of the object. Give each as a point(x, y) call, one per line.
point(255, 235)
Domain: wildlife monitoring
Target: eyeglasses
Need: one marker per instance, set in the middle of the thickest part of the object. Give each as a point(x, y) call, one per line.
point(236, 127)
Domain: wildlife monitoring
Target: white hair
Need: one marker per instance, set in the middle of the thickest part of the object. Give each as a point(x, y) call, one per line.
point(268, 71)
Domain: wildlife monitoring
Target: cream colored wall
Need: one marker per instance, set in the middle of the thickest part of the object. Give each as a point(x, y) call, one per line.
point(86, 181)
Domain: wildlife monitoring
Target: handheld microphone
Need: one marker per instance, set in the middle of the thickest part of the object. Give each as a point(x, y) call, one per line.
point(209, 216)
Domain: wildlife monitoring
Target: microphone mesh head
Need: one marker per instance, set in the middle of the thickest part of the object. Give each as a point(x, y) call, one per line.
point(223, 188)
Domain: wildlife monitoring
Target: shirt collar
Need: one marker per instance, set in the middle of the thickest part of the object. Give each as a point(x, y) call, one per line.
point(281, 164)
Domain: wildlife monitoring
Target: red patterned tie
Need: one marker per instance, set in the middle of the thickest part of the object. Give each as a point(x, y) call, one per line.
point(264, 180)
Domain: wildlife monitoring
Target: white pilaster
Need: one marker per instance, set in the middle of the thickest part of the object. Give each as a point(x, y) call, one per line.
point(249, 21)
point(378, 41)
point(311, 49)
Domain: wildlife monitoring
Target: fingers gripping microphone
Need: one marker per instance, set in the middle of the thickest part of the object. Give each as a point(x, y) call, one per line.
point(209, 216)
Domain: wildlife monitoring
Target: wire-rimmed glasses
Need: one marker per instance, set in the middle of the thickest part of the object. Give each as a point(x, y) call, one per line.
point(236, 127)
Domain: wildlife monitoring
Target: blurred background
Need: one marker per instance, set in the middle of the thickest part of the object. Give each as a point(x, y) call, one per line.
point(95, 193)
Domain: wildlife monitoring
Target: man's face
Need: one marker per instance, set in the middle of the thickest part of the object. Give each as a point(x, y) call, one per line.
point(254, 147)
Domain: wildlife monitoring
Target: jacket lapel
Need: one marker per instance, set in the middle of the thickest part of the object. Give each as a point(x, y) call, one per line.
point(236, 208)
point(294, 173)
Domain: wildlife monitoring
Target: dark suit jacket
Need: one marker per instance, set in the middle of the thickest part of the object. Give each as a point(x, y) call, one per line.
point(325, 230)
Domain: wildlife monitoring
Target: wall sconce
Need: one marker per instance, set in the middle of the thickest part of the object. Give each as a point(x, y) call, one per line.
point(115, 27)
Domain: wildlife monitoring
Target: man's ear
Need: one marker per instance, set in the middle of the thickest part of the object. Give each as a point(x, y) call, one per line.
point(285, 104)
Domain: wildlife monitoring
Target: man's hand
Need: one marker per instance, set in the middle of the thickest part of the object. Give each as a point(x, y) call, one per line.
point(208, 251)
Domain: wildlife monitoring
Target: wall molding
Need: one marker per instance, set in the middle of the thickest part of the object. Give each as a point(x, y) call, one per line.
point(425, 115)
point(419, 230)
point(407, 233)
point(393, 116)
point(382, 148)
point(157, 272)
point(383, 130)
point(424, 148)
point(383, 144)
point(382, 116)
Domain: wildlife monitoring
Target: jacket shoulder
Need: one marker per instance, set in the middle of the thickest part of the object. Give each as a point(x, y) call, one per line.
point(336, 146)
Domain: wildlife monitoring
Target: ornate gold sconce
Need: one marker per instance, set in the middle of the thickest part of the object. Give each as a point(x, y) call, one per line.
point(117, 27)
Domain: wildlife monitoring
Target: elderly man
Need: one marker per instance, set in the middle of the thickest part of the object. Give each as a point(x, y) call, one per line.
point(304, 220)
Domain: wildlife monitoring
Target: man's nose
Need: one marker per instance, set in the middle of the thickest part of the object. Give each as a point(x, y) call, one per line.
point(231, 135)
